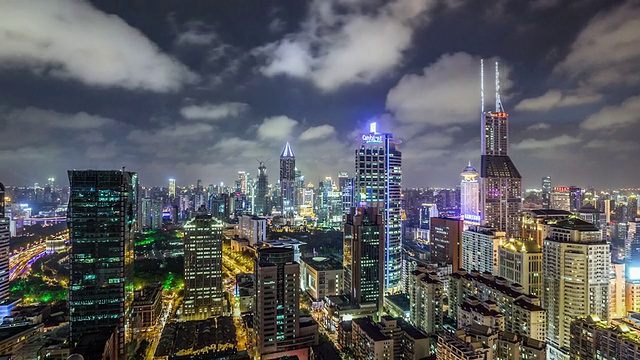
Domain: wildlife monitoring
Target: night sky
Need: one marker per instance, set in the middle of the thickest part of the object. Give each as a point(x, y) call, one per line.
point(200, 89)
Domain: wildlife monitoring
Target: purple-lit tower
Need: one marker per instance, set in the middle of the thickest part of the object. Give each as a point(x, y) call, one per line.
point(500, 180)
point(287, 181)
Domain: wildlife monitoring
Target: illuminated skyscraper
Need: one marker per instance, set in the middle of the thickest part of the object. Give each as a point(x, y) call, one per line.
point(500, 181)
point(470, 196)
point(277, 289)
point(576, 268)
point(4, 248)
point(262, 188)
point(102, 220)
point(378, 182)
point(546, 192)
point(364, 256)
point(202, 268)
point(287, 181)
point(172, 189)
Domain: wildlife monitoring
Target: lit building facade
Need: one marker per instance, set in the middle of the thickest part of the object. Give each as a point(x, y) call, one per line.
point(593, 338)
point(522, 312)
point(576, 279)
point(172, 189)
point(480, 247)
point(203, 291)
point(561, 198)
point(287, 181)
point(426, 295)
point(546, 192)
point(363, 256)
point(253, 228)
point(446, 241)
point(321, 276)
point(102, 219)
point(428, 211)
point(262, 191)
point(618, 307)
point(5, 235)
point(276, 318)
point(520, 261)
point(369, 342)
point(534, 222)
point(500, 180)
point(470, 196)
point(378, 182)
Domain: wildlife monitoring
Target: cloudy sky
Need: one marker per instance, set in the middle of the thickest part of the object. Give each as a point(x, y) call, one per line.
point(199, 89)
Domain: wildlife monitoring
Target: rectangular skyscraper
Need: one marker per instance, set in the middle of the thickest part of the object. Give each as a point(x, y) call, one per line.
point(277, 289)
point(576, 267)
point(446, 241)
point(363, 256)
point(500, 180)
point(203, 268)
point(5, 235)
point(378, 183)
point(101, 219)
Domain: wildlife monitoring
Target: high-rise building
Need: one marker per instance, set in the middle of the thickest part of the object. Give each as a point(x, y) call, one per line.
point(262, 188)
point(446, 241)
point(203, 292)
point(428, 211)
point(632, 208)
point(576, 277)
point(533, 222)
point(523, 314)
point(364, 256)
point(561, 198)
point(426, 295)
point(477, 342)
point(480, 247)
point(618, 308)
point(172, 189)
point(470, 196)
point(5, 235)
point(594, 338)
point(546, 192)
point(102, 219)
point(520, 261)
point(287, 181)
point(500, 180)
point(150, 214)
point(276, 318)
point(347, 188)
point(378, 183)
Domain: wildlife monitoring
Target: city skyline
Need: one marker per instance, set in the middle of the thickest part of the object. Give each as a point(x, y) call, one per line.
point(201, 91)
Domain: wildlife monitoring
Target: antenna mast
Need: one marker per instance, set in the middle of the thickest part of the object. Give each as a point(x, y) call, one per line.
point(498, 102)
point(482, 85)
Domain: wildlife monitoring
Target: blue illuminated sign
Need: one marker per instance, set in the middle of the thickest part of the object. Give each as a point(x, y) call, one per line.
point(372, 138)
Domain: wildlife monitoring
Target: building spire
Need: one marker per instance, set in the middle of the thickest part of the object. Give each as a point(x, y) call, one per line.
point(287, 152)
point(499, 107)
point(481, 85)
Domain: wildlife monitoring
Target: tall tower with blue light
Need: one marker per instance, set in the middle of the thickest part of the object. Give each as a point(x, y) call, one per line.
point(378, 182)
point(500, 180)
point(287, 181)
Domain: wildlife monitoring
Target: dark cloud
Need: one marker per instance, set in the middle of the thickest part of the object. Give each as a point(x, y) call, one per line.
point(197, 91)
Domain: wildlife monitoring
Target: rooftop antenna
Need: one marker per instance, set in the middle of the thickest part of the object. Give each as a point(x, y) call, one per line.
point(499, 107)
point(482, 85)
